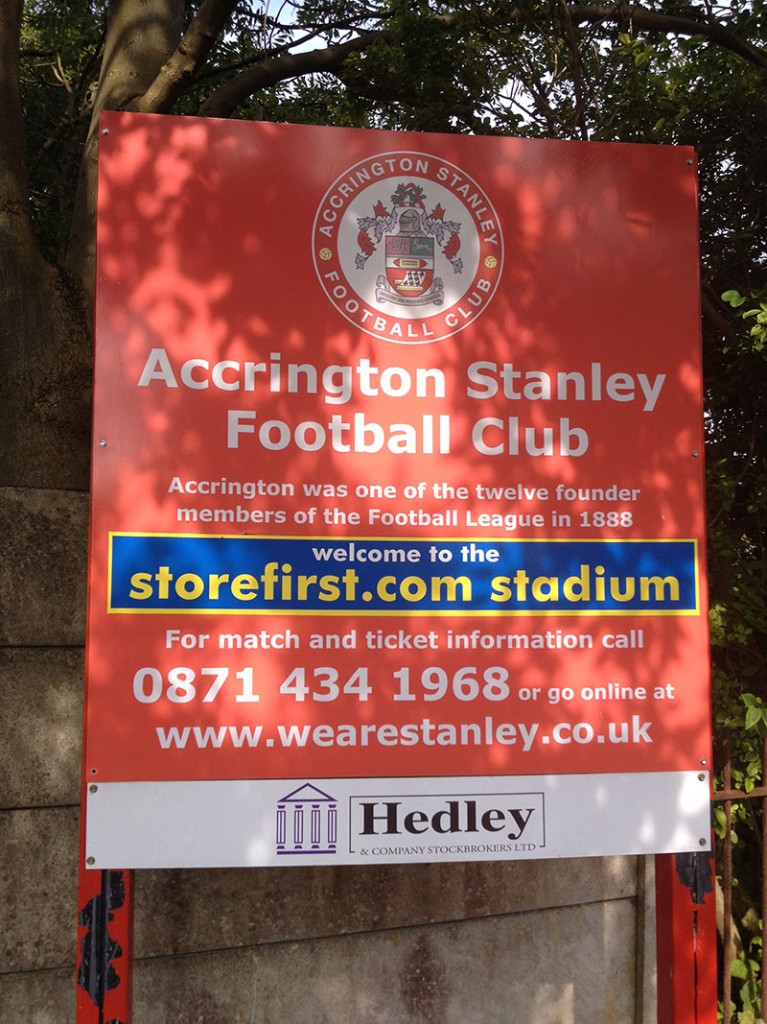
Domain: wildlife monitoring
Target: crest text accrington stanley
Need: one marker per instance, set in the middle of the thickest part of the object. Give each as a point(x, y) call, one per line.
point(407, 247)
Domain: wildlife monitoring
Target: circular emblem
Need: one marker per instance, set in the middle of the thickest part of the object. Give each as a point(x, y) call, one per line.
point(407, 247)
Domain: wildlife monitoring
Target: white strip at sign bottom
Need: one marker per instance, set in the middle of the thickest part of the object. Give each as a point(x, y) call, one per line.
point(300, 822)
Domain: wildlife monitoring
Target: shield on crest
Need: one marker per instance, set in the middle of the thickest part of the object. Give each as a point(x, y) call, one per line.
point(410, 258)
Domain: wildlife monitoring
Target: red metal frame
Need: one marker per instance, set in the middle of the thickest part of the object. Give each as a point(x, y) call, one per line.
point(104, 942)
point(686, 940)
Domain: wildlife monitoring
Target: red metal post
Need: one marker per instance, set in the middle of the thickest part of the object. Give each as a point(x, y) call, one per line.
point(104, 943)
point(686, 939)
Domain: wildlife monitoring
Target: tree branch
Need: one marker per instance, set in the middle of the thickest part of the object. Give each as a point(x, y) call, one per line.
point(654, 21)
point(188, 57)
point(139, 38)
point(225, 100)
point(257, 57)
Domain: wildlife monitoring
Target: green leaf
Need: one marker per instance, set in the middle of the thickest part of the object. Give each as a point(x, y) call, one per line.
point(738, 969)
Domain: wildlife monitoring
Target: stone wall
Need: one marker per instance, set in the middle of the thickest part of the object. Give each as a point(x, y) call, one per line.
point(544, 942)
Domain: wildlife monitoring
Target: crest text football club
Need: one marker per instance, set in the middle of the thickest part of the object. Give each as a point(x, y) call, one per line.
point(407, 247)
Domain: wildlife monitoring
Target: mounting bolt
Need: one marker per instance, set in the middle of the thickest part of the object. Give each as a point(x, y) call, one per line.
point(701, 777)
point(105, 131)
point(102, 443)
point(90, 860)
point(93, 789)
point(694, 454)
point(702, 842)
point(703, 761)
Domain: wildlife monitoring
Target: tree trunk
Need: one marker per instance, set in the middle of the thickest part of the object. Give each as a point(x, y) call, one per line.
point(44, 349)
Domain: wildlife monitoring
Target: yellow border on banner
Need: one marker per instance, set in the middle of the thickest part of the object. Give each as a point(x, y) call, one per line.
point(411, 612)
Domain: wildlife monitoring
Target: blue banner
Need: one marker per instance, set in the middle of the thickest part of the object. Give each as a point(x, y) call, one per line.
point(271, 575)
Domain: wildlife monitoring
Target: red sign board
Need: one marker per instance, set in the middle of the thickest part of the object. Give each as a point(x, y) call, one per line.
point(397, 498)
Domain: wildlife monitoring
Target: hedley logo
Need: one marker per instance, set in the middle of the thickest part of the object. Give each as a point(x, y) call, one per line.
point(407, 247)
point(507, 818)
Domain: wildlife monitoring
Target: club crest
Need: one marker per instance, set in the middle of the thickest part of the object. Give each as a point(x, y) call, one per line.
point(407, 247)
